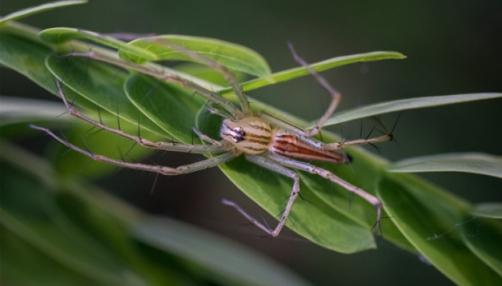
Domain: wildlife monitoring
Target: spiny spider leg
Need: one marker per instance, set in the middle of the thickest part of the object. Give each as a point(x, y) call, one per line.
point(373, 140)
point(227, 74)
point(162, 74)
point(167, 146)
point(312, 169)
point(335, 95)
point(163, 170)
point(204, 138)
point(295, 190)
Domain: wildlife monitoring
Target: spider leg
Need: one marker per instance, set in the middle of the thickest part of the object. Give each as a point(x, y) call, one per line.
point(312, 169)
point(373, 140)
point(161, 145)
point(273, 166)
point(163, 170)
point(163, 74)
point(335, 95)
point(227, 74)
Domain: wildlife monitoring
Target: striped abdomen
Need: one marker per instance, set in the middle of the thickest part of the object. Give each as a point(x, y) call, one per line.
point(250, 135)
point(295, 146)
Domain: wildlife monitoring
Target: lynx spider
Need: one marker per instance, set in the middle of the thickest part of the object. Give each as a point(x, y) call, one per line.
point(263, 140)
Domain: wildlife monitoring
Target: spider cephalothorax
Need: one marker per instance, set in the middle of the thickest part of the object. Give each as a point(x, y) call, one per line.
point(250, 135)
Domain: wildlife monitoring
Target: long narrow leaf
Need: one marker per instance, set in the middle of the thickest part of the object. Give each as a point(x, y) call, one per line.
point(63, 34)
point(475, 163)
point(321, 66)
point(407, 104)
point(483, 237)
point(429, 224)
point(226, 259)
point(16, 109)
point(488, 210)
point(39, 9)
point(233, 56)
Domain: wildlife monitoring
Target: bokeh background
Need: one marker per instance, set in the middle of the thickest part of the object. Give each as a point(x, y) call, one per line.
point(452, 47)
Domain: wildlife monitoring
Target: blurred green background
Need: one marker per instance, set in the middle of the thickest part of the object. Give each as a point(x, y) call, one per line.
point(452, 47)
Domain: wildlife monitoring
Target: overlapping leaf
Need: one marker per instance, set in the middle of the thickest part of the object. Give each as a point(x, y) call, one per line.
point(407, 104)
point(425, 215)
point(39, 9)
point(233, 56)
point(58, 221)
point(430, 225)
point(475, 163)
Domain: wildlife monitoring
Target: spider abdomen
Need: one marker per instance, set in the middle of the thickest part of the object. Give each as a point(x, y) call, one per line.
point(296, 146)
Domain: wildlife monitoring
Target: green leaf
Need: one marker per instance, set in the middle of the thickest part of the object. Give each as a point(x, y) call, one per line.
point(430, 224)
point(321, 66)
point(233, 56)
point(19, 258)
point(406, 104)
point(222, 257)
point(341, 234)
point(75, 165)
point(483, 238)
point(26, 55)
point(168, 106)
point(488, 210)
point(101, 84)
point(62, 34)
point(206, 73)
point(178, 253)
point(18, 109)
point(475, 163)
point(38, 222)
point(39, 9)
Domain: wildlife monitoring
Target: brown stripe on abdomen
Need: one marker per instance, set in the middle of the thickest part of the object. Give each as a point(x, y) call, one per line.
point(291, 146)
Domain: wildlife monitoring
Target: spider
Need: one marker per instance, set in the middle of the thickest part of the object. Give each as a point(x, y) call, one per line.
point(264, 140)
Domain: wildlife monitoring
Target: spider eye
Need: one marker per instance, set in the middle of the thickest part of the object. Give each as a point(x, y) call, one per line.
point(239, 134)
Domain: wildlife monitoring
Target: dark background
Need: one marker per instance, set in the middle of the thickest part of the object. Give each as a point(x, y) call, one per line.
point(452, 47)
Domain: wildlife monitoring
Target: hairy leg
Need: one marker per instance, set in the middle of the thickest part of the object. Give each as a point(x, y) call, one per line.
point(312, 169)
point(335, 95)
point(227, 74)
point(163, 170)
point(273, 166)
point(161, 145)
point(163, 74)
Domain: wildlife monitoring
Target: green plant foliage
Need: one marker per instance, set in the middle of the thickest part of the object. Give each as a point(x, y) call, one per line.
point(321, 66)
point(234, 57)
point(480, 237)
point(90, 80)
point(475, 163)
point(17, 109)
point(423, 218)
point(488, 210)
point(39, 9)
point(406, 104)
point(223, 257)
point(430, 225)
point(61, 35)
point(58, 220)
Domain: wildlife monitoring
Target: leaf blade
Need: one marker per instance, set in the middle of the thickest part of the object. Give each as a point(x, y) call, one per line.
point(321, 66)
point(488, 210)
point(407, 104)
point(220, 256)
point(482, 237)
point(63, 34)
point(474, 163)
point(39, 9)
point(233, 56)
point(429, 226)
